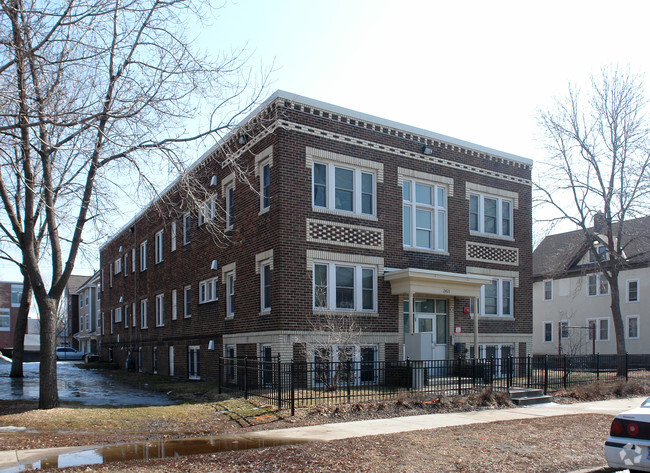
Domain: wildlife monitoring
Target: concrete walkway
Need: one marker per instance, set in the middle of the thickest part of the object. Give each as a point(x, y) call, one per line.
point(10, 460)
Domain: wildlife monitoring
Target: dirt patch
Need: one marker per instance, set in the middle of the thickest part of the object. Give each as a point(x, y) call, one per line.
point(557, 444)
point(599, 391)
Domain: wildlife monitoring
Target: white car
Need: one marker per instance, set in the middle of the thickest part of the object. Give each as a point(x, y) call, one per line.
point(69, 353)
point(628, 444)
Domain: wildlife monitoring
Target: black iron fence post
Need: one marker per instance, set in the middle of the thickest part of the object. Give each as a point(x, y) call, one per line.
point(565, 373)
point(598, 366)
point(409, 375)
point(627, 366)
point(509, 372)
point(246, 377)
point(460, 375)
point(293, 389)
point(279, 377)
point(474, 373)
point(491, 371)
point(545, 374)
point(529, 369)
point(349, 376)
point(219, 373)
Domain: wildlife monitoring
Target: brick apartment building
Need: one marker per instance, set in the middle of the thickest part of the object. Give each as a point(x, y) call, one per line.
point(10, 294)
point(343, 213)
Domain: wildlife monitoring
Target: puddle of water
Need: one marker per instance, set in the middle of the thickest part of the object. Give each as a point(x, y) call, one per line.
point(150, 450)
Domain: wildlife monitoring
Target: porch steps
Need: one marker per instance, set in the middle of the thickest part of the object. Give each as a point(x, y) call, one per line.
point(528, 397)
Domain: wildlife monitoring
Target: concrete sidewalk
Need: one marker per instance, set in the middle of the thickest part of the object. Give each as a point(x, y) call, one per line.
point(10, 460)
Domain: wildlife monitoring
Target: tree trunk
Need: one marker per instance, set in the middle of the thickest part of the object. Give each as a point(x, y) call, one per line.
point(49, 393)
point(21, 329)
point(619, 326)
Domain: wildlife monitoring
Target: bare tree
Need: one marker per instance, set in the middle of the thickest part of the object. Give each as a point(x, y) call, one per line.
point(597, 170)
point(92, 93)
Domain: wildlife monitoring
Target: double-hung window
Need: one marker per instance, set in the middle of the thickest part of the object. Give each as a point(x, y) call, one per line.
point(133, 260)
point(344, 287)
point(632, 326)
point(490, 215)
point(187, 222)
point(126, 264)
point(496, 298)
point(424, 215)
point(265, 186)
point(118, 266)
point(597, 285)
point(118, 315)
point(160, 310)
point(598, 328)
point(230, 294)
point(5, 319)
point(208, 210)
point(16, 294)
point(173, 236)
point(143, 256)
point(548, 290)
point(548, 332)
point(144, 322)
point(187, 301)
point(208, 290)
point(174, 304)
point(158, 247)
point(345, 189)
point(265, 289)
point(230, 205)
point(633, 290)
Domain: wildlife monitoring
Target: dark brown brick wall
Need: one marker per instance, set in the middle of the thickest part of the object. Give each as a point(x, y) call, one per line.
point(283, 229)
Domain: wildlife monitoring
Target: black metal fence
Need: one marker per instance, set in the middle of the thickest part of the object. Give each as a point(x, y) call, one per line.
point(298, 384)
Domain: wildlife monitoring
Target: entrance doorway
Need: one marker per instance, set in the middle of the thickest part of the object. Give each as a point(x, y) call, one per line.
point(431, 318)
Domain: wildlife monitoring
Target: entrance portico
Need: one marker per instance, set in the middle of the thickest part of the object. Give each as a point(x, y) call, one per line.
point(437, 285)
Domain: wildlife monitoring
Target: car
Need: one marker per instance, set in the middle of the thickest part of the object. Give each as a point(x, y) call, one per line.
point(628, 444)
point(69, 353)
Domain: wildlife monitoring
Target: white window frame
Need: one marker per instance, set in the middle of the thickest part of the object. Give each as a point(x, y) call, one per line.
point(208, 210)
point(187, 302)
point(5, 314)
point(193, 373)
point(357, 189)
point(265, 306)
point(265, 201)
point(544, 325)
point(330, 302)
point(230, 294)
point(229, 194)
point(602, 254)
point(500, 291)
point(627, 327)
point(133, 260)
point(16, 294)
point(544, 292)
point(174, 304)
point(599, 326)
point(144, 314)
point(126, 263)
point(480, 200)
point(117, 266)
point(187, 229)
point(143, 256)
point(601, 282)
point(134, 315)
point(160, 310)
point(437, 210)
point(172, 233)
point(118, 315)
point(627, 286)
point(208, 290)
point(126, 316)
point(158, 247)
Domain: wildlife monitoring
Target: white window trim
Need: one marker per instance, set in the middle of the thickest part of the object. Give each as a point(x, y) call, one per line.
point(208, 290)
point(544, 290)
point(133, 260)
point(160, 310)
point(330, 189)
point(263, 265)
point(134, 314)
point(173, 236)
point(265, 158)
point(627, 327)
point(499, 314)
point(158, 247)
point(118, 266)
point(126, 263)
point(196, 348)
point(230, 294)
point(598, 276)
point(208, 210)
point(627, 290)
point(598, 321)
point(499, 216)
point(118, 315)
point(144, 314)
point(230, 215)
point(435, 209)
point(552, 340)
point(187, 236)
point(358, 287)
point(174, 304)
point(187, 291)
point(143, 256)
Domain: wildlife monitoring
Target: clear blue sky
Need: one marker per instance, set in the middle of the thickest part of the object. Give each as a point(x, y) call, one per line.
point(474, 70)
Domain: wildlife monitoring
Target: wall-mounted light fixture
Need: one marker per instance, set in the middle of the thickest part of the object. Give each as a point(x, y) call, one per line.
point(243, 139)
point(120, 250)
point(427, 150)
point(213, 181)
point(211, 345)
point(121, 298)
point(214, 265)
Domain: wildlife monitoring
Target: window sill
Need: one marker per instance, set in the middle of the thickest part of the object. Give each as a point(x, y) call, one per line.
point(491, 235)
point(348, 313)
point(230, 317)
point(494, 317)
point(425, 250)
point(343, 213)
point(188, 316)
point(265, 312)
point(264, 211)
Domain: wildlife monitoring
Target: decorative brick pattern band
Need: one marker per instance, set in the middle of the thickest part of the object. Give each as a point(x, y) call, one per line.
point(492, 253)
point(355, 236)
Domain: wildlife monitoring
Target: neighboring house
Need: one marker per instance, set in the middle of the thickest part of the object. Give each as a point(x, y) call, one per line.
point(88, 335)
point(10, 294)
point(344, 213)
point(69, 312)
point(572, 300)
